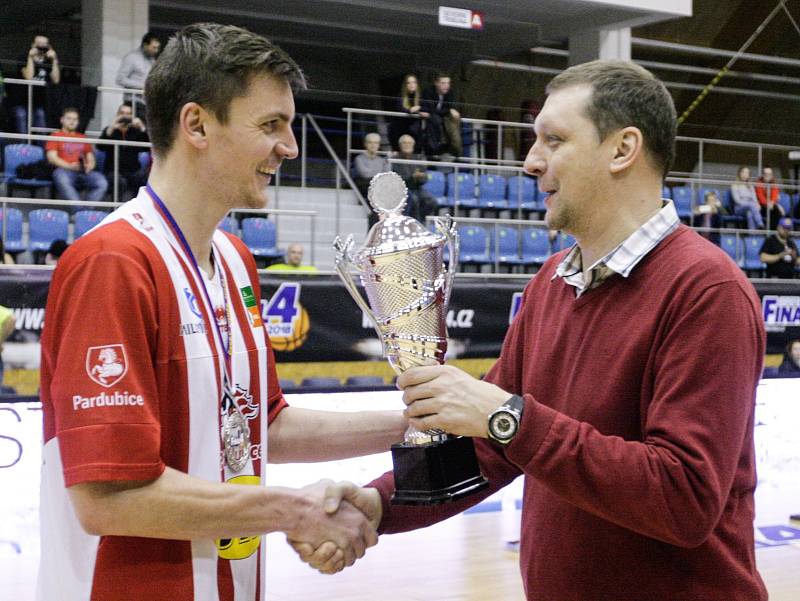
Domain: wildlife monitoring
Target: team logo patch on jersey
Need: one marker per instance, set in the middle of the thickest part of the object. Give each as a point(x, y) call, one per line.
point(192, 300)
point(106, 365)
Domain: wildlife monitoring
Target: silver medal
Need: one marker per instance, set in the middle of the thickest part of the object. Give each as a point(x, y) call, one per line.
point(236, 438)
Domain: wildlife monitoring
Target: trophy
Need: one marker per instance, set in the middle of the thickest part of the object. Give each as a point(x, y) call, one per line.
point(408, 289)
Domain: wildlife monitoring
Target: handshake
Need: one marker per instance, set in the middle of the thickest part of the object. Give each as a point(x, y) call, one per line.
point(335, 525)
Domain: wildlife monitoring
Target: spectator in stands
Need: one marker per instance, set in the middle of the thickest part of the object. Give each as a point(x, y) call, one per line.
point(368, 165)
point(74, 162)
point(528, 111)
point(294, 260)
point(443, 127)
point(131, 129)
point(135, 67)
point(744, 198)
point(779, 252)
point(791, 360)
point(410, 103)
point(707, 212)
point(57, 248)
point(7, 326)
point(420, 203)
point(40, 64)
point(767, 192)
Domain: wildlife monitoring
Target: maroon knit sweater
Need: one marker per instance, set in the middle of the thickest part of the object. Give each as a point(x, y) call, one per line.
point(637, 437)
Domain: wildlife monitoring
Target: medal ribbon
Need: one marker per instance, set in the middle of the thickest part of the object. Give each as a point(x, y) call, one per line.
point(178, 233)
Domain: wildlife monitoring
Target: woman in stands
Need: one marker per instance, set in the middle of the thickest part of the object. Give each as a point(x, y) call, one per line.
point(408, 102)
point(744, 198)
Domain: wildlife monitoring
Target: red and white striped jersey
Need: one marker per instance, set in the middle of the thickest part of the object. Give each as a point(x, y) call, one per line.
point(131, 382)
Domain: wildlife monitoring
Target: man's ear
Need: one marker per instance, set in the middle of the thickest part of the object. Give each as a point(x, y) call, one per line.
point(192, 122)
point(628, 146)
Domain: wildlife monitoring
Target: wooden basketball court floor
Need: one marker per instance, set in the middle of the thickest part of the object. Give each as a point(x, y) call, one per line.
point(462, 559)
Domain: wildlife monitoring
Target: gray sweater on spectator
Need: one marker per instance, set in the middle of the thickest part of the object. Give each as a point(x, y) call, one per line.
point(134, 69)
point(367, 168)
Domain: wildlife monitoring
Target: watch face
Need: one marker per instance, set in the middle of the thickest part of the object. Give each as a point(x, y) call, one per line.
point(504, 425)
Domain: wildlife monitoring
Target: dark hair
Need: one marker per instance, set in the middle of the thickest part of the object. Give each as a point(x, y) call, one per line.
point(70, 109)
point(625, 94)
point(441, 74)
point(209, 64)
point(148, 37)
point(57, 248)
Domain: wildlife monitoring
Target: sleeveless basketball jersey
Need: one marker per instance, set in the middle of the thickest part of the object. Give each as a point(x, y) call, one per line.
point(131, 382)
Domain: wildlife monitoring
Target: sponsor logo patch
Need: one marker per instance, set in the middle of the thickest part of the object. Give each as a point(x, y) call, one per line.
point(251, 305)
point(106, 365)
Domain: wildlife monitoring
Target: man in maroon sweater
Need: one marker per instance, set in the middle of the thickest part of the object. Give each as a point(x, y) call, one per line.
point(625, 389)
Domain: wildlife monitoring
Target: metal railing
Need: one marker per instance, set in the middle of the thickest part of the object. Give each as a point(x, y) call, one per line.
point(478, 123)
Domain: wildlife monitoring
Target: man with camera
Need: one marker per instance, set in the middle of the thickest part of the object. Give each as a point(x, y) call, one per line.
point(779, 252)
point(126, 127)
point(40, 64)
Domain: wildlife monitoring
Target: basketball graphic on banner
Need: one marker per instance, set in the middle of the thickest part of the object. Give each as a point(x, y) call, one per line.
point(298, 334)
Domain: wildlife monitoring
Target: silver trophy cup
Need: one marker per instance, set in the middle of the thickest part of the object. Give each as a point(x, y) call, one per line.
point(401, 267)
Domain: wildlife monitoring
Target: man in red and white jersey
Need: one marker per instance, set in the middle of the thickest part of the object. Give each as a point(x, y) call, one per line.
point(158, 381)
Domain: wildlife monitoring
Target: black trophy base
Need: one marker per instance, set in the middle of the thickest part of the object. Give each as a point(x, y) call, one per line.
point(437, 472)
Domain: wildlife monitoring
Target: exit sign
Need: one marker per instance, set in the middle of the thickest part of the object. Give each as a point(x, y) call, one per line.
point(460, 17)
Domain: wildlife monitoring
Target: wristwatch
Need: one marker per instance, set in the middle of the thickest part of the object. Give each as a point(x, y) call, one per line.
point(504, 421)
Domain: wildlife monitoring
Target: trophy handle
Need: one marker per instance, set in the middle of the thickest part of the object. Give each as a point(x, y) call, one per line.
point(344, 262)
point(447, 228)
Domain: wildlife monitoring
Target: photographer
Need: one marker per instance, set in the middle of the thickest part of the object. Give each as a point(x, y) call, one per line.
point(132, 129)
point(40, 64)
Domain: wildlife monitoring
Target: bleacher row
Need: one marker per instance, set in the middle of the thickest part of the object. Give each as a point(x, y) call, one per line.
point(47, 225)
point(496, 192)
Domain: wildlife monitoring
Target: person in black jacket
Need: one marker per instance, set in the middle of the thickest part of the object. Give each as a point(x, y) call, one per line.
point(443, 127)
point(131, 172)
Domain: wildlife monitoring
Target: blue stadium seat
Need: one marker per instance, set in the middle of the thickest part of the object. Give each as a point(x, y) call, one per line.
point(752, 250)
point(465, 182)
point(436, 185)
point(563, 241)
point(259, 235)
point(522, 193)
point(144, 159)
point(46, 226)
point(100, 159)
point(287, 384)
point(732, 245)
point(666, 192)
point(474, 245)
point(229, 224)
point(13, 239)
point(15, 155)
point(506, 244)
point(365, 381)
point(86, 220)
point(682, 197)
point(785, 200)
point(320, 382)
point(492, 192)
point(535, 246)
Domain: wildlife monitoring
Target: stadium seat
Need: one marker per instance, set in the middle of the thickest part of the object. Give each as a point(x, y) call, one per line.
point(144, 159)
point(13, 235)
point(474, 245)
point(229, 224)
point(682, 197)
point(752, 250)
point(365, 381)
point(320, 382)
point(287, 384)
point(785, 200)
point(522, 193)
point(86, 220)
point(100, 159)
point(259, 235)
point(436, 186)
point(563, 241)
point(731, 244)
point(15, 155)
point(535, 246)
point(492, 192)
point(46, 226)
point(666, 192)
point(770, 372)
point(506, 245)
point(465, 182)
